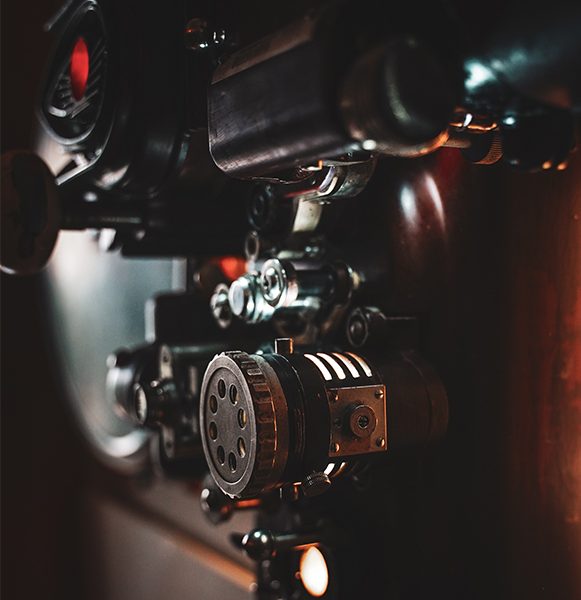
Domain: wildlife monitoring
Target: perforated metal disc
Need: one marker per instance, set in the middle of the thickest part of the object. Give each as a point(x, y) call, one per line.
point(244, 424)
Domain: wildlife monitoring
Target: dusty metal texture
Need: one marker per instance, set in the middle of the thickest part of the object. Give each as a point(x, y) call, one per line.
point(244, 424)
point(368, 432)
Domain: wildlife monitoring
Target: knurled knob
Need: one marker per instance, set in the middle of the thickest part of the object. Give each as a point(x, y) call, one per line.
point(315, 484)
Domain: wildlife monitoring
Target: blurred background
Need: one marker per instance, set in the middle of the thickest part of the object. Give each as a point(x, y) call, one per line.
point(43, 462)
point(72, 528)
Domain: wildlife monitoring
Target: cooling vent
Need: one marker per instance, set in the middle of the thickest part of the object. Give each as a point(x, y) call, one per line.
point(74, 96)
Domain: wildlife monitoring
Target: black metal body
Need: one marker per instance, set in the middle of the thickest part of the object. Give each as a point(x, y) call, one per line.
point(476, 269)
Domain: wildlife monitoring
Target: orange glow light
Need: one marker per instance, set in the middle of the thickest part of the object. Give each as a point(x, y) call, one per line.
point(232, 266)
point(313, 572)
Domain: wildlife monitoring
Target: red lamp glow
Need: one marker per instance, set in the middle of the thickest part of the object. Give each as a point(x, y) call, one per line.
point(79, 69)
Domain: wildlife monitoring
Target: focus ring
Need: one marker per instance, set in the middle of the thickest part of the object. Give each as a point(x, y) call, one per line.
point(265, 422)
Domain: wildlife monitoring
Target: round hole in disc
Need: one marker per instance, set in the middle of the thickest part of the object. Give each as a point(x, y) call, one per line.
point(242, 418)
point(222, 388)
point(221, 455)
point(241, 448)
point(213, 430)
point(213, 404)
point(232, 461)
point(233, 394)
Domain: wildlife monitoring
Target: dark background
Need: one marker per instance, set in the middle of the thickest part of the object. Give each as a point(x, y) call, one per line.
point(42, 459)
point(517, 449)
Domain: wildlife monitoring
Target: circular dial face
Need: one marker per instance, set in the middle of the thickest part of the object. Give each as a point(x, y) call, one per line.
point(244, 424)
point(229, 424)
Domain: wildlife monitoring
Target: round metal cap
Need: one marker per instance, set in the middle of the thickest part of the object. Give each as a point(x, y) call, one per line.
point(244, 424)
point(278, 282)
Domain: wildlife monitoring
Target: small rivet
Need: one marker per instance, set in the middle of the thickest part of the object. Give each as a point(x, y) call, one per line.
point(335, 447)
point(334, 396)
point(379, 394)
point(380, 442)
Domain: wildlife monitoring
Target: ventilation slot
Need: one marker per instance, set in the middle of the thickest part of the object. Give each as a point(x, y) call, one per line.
point(361, 363)
point(320, 365)
point(333, 364)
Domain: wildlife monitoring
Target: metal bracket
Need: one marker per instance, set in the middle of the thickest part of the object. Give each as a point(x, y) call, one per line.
point(347, 437)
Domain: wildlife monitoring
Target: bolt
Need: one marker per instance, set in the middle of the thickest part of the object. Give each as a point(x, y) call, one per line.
point(362, 421)
point(278, 283)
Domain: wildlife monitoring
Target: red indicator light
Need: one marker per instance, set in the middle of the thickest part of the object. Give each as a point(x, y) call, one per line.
point(79, 68)
point(232, 266)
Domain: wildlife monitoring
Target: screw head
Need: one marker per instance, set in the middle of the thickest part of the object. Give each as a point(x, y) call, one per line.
point(362, 421)
point(272, 284)
point(335, 447)
point(278, 283)
point(380, 442)
point(379, 394)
